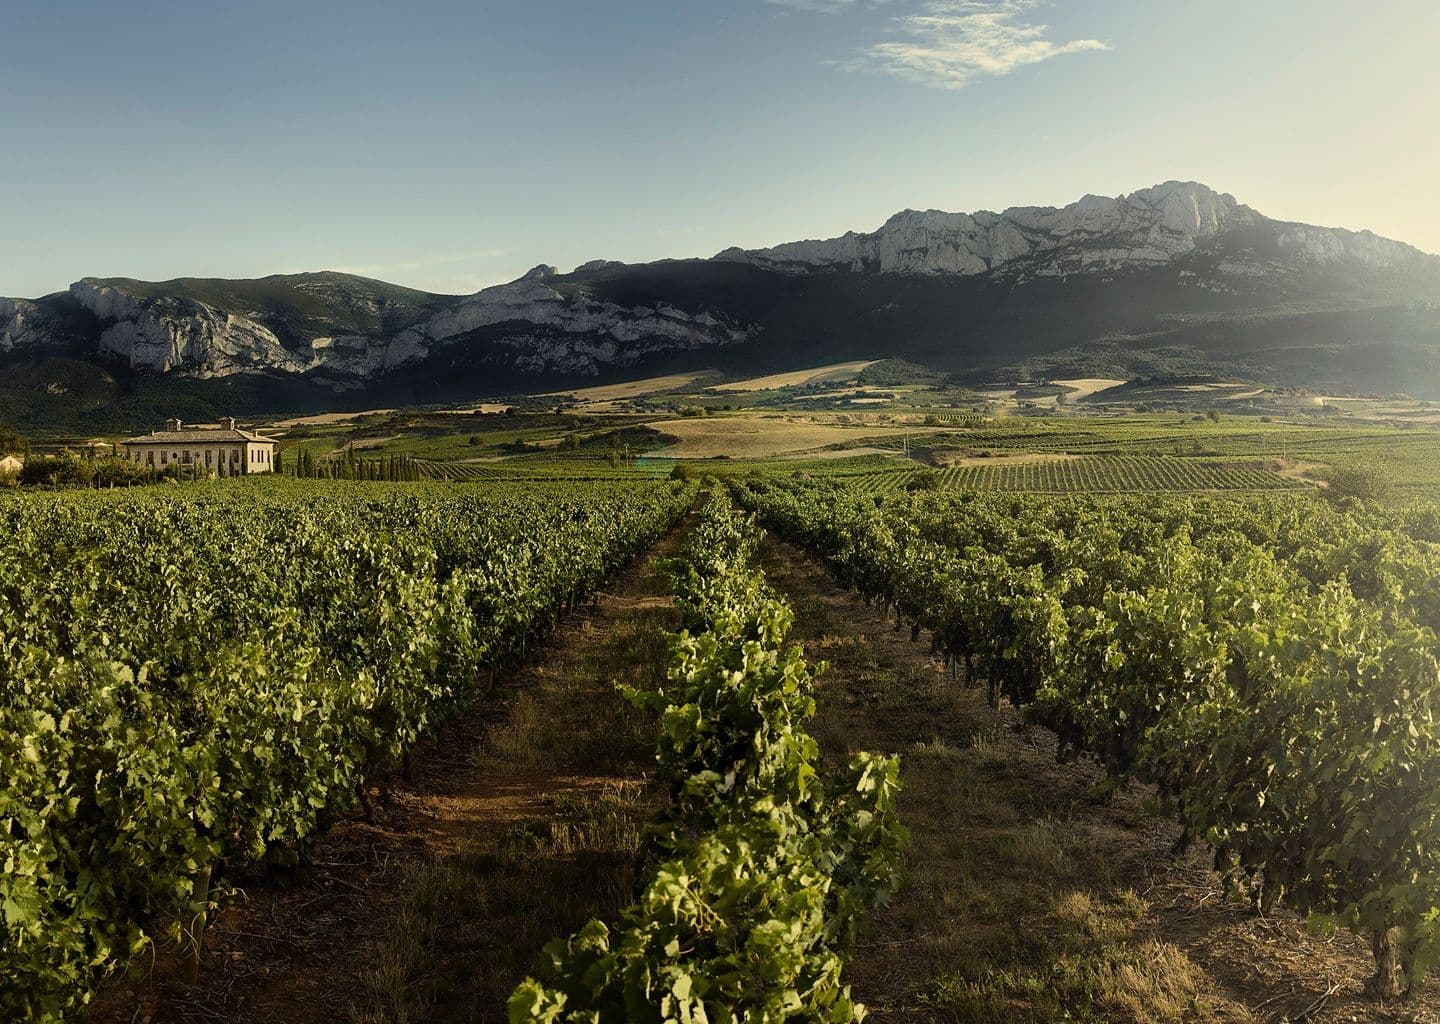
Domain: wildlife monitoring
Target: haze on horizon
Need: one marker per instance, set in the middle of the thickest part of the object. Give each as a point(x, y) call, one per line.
point(447, 147)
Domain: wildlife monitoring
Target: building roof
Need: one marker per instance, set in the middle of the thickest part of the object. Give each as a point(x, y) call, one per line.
point(198, 435)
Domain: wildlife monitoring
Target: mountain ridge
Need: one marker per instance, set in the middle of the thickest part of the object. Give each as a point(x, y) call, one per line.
point(1176, 263)
point(1180, 214)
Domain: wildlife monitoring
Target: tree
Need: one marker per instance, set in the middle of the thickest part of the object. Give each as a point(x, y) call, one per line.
point(65, 469)
point(924, 480)
point(11, 443)
point(1365, 484)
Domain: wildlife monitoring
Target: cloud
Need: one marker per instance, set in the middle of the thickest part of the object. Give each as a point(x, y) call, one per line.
point(955, 42)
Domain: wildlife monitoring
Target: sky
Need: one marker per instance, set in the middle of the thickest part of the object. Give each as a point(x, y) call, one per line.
point(453, 144)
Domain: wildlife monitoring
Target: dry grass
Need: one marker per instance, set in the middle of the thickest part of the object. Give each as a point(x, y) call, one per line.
point(326, 419)
point(1084, 387)
point(630, 389)
point(1030, 899)
point(798, 378)
point(1021, 903)
point(471, 924)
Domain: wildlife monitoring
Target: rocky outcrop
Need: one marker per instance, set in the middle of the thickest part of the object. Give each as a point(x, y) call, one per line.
point(574, 333)
point(534, 325)
point(169, 333)
point(22, 324)
point(1151, 227)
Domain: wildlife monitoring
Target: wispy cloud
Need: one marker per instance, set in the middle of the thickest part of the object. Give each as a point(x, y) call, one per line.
point(952, 43)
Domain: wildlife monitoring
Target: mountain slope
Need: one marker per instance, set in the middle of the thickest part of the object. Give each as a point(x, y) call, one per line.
point(1173, 272)
point(1151, 227)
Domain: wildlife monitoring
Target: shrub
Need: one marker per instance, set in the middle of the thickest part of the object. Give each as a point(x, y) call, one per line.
point(11, 443)
point(924, 480)
point(1365, 484)
point(67, 468)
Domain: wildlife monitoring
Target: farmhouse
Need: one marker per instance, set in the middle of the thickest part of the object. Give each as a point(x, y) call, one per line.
point(218, 451)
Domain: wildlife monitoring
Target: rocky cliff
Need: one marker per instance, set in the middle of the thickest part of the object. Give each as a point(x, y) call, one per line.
point(170, 328)
point(1177, 264)
point(1154, 226)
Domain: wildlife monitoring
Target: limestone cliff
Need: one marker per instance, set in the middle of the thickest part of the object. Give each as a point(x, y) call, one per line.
point(1153, 226)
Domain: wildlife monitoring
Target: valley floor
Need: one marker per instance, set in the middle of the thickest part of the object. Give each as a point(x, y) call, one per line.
point(1027, 899)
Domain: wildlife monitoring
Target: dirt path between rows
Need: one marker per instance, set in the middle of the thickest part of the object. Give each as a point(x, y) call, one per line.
point(522, 822)
point(1028, 898)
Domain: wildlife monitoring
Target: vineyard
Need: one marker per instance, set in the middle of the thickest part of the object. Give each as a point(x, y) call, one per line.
point(1111, 473)
point(176, 699)
point(530, 471)
point(764, 864)
point(1269, 668)
point(201, 683)
point(1089, 474)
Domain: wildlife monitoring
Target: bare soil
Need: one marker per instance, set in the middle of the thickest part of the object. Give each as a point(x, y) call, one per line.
point(1030, 897)
point(521, 821)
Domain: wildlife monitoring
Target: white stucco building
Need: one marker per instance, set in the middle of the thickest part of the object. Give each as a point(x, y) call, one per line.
point(224, 450)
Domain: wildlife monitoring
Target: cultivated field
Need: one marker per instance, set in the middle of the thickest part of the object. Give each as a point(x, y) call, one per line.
point(749, 437)
point(798, 378)
point(1083, 387)
point(608, 393)
point(386, 733)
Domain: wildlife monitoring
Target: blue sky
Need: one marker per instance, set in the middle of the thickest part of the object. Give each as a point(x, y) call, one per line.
point(450, 145)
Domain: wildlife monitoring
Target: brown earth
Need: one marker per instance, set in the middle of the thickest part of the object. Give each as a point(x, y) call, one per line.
point(522, 822)
point(1029, 897)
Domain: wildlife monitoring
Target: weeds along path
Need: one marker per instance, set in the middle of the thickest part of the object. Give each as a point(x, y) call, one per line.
point(1028, 900)
point(521, 823)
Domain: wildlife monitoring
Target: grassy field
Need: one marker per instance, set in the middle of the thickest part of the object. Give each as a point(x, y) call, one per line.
point(758, 437)
point(1014, 437)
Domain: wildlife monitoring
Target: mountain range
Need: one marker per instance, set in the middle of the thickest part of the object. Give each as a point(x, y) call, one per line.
point(1173, 278)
